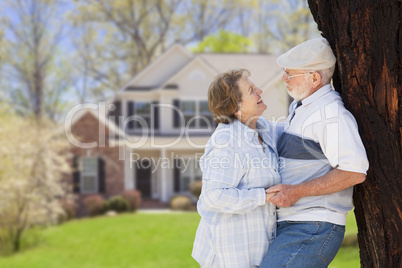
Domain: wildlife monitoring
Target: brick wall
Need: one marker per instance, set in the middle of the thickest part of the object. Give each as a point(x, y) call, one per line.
point(86, 130)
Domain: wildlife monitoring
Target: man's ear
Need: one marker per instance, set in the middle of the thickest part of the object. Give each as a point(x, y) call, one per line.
point(316, 79)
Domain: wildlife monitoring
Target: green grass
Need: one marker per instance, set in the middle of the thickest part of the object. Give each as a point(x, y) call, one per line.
point(130, 240)
point(351, 226)
point(348, 257)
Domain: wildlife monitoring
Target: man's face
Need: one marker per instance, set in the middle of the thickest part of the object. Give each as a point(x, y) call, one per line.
point(297, 83)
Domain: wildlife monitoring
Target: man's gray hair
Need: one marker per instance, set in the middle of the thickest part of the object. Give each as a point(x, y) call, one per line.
point(326, 75)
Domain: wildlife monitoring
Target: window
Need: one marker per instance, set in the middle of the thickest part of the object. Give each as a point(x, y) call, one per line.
point(141, 115)
point(188, 109)
point(206, 119)
point(196, 114)
point(143, 110)
point(89, 175)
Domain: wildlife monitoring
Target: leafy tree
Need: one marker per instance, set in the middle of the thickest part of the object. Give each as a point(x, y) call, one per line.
point(366, 38)
point(115, 39)
point(281, 25)
point(197, 19)
point(35, 75)
point(224, 42)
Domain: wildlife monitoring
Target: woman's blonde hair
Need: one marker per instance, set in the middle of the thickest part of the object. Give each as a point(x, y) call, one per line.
point(224, 95)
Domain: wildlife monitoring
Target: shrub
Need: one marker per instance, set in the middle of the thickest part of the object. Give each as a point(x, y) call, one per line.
point(350, 241)
point(133, 198)
point(69, 208)
point(118, 203)
point(195, 188)
point(181, 202)
point(95, 205)
point(6, 243)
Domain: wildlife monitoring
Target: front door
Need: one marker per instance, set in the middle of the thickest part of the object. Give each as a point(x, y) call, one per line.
point(143, 178)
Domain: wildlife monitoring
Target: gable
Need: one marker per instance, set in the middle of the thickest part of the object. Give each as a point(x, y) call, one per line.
point(86, 119)
point(86, 128)
point(193, 80)
point(161, 69)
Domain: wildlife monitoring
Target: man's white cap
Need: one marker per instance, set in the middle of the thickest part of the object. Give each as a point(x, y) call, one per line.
point(314, 54)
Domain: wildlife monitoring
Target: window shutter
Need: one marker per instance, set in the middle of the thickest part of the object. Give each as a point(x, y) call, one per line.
point(101, 175)
point(116, 112)
point(176, 184)
point(76, 175)
point(130, 110)
point(176, 115)
point(156, 114)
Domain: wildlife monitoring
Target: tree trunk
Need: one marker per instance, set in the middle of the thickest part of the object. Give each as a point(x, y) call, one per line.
point(17, 242)
point(366, 37)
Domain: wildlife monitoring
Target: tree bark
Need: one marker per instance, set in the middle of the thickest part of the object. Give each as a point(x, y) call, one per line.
point(366, 37)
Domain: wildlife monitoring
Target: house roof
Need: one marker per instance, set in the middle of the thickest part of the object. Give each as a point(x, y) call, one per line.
point(80, 111)
point(193, 62)
point(263, 67)
point(176, 57)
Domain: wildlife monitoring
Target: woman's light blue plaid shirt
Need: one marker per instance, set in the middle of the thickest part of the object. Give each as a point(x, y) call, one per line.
point(236, 224)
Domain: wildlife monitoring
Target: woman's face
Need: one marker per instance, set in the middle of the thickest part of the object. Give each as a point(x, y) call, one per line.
point(251, 106)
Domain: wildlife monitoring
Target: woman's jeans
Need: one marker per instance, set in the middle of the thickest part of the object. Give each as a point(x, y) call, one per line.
point(304, 244)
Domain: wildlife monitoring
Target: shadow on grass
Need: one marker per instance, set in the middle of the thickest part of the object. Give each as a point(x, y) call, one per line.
point(30, 239)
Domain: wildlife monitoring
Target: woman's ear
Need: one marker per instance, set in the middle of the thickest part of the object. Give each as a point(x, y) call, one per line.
point(237, 114)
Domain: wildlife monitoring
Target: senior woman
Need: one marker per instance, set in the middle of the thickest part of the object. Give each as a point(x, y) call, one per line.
point(239, 163)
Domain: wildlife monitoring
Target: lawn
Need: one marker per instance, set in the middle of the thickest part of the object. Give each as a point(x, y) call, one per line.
point(128, 240)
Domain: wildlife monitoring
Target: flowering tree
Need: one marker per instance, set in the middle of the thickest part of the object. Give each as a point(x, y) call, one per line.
point(33, 159)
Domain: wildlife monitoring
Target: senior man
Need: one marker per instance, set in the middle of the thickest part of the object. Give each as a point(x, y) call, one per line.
point(321, 158)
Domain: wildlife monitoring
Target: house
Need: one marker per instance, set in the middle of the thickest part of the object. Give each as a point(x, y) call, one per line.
point(152, 134)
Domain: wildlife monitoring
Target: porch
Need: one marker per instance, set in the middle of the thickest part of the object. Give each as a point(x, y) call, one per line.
point(160, 174)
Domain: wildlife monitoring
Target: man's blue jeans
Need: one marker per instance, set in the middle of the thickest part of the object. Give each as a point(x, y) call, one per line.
point(304, 244)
